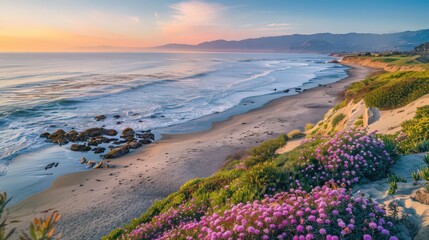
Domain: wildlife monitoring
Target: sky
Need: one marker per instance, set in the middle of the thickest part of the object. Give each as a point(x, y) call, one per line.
point(91, 25)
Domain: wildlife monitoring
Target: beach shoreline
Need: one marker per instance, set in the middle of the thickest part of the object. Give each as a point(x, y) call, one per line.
point(92, 203)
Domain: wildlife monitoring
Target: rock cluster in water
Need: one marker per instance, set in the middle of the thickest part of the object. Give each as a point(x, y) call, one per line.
point(90, 139)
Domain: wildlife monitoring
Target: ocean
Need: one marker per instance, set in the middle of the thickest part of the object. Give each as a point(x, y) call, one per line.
point(163, 92)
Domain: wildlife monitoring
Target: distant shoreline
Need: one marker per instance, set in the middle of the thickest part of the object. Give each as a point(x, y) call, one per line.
point(104, 199)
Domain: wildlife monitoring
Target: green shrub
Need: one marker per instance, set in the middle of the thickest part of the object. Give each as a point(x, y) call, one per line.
point(417, 131)
point(389, 90)
point(340, 105)
point(393, 186)
point(337, 119)
point(358, 123)
point(398, 94)
point(268, 148)
point(308, 126)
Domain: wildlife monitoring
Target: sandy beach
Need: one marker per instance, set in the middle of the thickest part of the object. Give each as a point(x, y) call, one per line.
point(92, 203)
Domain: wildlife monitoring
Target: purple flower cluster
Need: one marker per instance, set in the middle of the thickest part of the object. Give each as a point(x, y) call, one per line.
point(171, 218)
point(345, 159)
point(324, 213)
point(328, 212)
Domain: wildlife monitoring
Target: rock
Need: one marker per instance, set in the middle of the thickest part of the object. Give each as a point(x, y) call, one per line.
point(58, 137)
point(58, 133)
point(129, 139)
point(80, 148)
point(128, 132)
point(150, 136)
point(298, 89)
point(145, 141)
point(45, 135)
point(72, 135)
point(51, 165)
point(90, 164)
point(99, 150)
point(118, 122)
point(110, 132)
point(116, 116)
point(373, 115)
point(100, 117)
point(421, 196)
point(117, 152)
point(286, 91)
point(60, 141)
point(90, 132)
point(98, 165)
point(82, 160)
point(93, 142)
point(134, 144)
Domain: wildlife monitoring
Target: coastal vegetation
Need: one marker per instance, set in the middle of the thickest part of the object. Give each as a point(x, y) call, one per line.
point(300, 193)
point(389, 90)
point(264, 178)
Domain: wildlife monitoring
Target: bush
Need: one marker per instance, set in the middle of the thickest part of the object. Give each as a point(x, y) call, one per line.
point(398, 94)
point(267, 149)
point(308, 126)
point(389, 90)
point(294, 134)
point(358, 123)
point(337, 119)
point(417, 131)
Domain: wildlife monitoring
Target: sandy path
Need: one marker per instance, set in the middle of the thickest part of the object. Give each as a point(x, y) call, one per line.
point(93, 203)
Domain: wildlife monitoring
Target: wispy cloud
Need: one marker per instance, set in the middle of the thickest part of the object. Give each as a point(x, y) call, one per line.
point(278, 24)
point(193, 21)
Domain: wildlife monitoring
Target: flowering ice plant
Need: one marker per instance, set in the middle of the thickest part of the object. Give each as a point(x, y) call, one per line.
point(323, 213)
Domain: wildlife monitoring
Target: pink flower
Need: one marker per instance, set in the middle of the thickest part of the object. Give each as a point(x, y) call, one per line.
point(300, 228)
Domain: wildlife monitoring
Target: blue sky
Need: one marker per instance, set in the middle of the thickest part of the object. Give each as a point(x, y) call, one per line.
point(67, 24)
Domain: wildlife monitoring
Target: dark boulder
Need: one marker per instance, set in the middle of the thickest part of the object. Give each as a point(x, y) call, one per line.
point(100, 117)
point(80, 148)
point(99, 150)
point(51, 165)
point(116, 116)
point(90, 132)
point(82, 160)
point(58, 133)
point(128, 132)
point(147, 135)
point(117, 152)
point(45, 135)
point(110, 132)
point(72, 135)
point(134, 144)
point(145, 141)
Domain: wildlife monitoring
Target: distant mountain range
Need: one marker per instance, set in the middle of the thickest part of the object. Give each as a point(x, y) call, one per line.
point(320, 42)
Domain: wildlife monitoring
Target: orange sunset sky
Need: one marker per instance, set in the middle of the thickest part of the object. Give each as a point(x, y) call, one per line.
point(84, 25)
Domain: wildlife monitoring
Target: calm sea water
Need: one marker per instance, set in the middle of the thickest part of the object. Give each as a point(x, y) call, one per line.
point(46, 91)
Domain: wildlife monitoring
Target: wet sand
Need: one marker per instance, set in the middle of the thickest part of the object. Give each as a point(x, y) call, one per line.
point(93, 203)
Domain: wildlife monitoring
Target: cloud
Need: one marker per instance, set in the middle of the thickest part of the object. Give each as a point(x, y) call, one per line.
point(193, 21)
point(278, 24)
point(156, 15)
